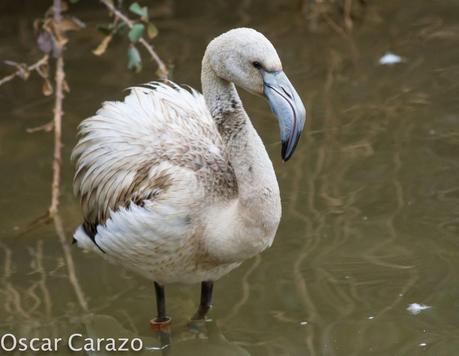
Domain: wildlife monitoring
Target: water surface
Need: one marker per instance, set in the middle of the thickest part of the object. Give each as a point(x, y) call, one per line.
point(370, 199)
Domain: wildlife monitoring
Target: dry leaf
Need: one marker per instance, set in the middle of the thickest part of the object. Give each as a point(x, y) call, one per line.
point(70, 24)
point(152, 30)
point(45, 42)
point(102, 47)
point(48, 24)
point(59, 37)
point(47, 88)
point(64, 6)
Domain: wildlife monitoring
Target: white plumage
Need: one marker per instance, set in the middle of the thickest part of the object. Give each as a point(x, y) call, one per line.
point(178, 186)
point(158, 239)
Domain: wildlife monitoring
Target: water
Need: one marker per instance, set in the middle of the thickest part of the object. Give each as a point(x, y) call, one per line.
point(371, 198)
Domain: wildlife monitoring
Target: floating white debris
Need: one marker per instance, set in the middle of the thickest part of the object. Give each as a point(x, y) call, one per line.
point(390, 59)
point(416, 308)
point(304, 323)
point(422, 344)
point(371, 317)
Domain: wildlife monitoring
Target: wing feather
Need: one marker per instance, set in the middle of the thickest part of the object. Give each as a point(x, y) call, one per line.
point(136, 150)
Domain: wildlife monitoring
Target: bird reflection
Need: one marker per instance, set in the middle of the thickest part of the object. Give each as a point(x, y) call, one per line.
point(196, 338)
point(207, 339)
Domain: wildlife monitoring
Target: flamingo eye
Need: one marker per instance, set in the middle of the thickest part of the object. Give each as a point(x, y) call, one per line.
point(257, 65)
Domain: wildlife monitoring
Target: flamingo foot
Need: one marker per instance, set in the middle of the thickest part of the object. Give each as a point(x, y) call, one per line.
point(162, 324)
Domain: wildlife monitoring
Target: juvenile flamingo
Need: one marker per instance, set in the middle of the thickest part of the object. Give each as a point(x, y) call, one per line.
point(178, 186)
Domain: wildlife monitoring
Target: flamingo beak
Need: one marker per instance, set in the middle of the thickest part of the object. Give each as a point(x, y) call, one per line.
point(286, 104)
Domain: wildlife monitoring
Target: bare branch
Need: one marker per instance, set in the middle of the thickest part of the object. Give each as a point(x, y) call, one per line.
point(162, 69)
point(30, 68)
point(59, 97)
point(58, 112)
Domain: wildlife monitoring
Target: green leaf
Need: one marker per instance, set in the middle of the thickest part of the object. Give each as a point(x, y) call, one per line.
point(121, 28)
point(138, 10)
point(134, 59)
point(105, 29)
point(152, 30)
point(136, 32)
point(74, 1)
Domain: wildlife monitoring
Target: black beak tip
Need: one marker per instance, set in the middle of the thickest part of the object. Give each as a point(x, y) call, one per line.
point(289, 146)
point(285, 154)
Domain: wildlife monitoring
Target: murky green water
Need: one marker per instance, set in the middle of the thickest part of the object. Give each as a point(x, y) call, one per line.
point(371, 197)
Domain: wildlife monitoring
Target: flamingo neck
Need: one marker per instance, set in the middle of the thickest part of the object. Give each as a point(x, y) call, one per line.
point(258, 206)
point(221, 97)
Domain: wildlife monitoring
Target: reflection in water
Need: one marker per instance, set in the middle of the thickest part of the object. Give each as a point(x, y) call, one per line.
point(30, 314)
point(370, 219)
point(106, 327)
point(203, 339)
point(207, 340)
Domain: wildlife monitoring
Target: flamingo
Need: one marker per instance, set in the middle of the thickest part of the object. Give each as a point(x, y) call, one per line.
point(177, 185)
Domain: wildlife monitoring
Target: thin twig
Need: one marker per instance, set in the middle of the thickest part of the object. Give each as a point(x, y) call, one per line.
point(30, 68)
point(162, 69)
point(48, 127)
point(335, 27)
point(59, 97)
point(70, 264)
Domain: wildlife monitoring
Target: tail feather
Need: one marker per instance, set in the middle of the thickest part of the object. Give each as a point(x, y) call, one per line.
point(82, 240)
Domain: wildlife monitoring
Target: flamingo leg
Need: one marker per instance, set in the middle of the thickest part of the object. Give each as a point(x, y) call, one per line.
point(206, 300)
point(160, 303)
point(162, 321)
